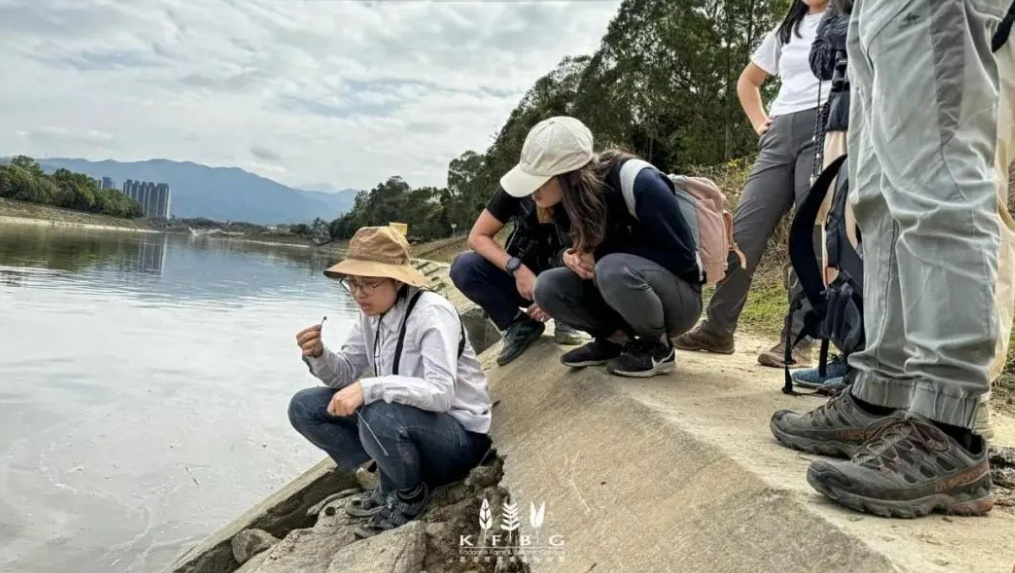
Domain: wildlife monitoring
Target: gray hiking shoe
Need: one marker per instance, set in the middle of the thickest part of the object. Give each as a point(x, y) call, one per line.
point(395, 514)
point(522, 333)
point(909, 468)
point(836, 428)
point(698, 340)
point(566, 334)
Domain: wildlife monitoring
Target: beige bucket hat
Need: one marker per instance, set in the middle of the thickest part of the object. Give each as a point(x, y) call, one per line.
point(378, 252)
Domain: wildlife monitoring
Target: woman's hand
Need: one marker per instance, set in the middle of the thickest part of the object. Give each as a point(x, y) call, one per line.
point(525, 281)
point(763, 127)
point(536, 313)
point(309, 341)
point(346, 400)
point(583, 265)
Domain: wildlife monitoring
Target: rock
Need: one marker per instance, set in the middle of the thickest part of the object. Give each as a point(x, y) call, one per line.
point(344, 493)
point(481, 477)
point(400, 550)
point(305, 551)
point(367, 480)
point(252, 565)
point(334, 519)
point(282, 511)
point(436, 529)
point(250, 542)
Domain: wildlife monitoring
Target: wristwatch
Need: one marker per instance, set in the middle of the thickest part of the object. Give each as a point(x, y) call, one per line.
point(512, 265)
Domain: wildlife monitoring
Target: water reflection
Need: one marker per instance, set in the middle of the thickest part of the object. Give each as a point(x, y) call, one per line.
point(144, 381)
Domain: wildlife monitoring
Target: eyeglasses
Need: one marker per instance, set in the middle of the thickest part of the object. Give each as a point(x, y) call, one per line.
point(366, 287)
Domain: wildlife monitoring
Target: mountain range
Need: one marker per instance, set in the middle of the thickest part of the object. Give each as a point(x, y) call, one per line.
point(220, 193)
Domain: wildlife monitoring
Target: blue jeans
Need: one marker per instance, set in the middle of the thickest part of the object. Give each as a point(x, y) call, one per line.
point(491, 288)
point(410, 445)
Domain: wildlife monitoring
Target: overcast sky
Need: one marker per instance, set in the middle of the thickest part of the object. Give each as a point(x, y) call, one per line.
point(310, 93)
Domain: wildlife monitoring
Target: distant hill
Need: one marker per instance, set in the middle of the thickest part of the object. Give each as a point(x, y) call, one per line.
point(220, 193)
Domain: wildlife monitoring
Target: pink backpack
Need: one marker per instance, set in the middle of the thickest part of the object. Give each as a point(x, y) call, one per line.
point(703, 206)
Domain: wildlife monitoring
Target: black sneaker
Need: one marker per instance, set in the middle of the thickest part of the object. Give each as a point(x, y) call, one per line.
point(595, 353)
point(836, 428)
point(394, 514)
point(522, 332)
point(370, 503)
point(909, 468)
point(643, 358)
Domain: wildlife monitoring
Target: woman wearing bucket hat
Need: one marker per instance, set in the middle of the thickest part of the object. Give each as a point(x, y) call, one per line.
point(631, 281)
point(424, 417)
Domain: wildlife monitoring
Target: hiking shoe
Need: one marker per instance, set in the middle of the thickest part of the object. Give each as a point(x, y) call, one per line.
point(369, 504)
point(836, 428)
point(595, 353)
point(909, 468)
point(522, 332)
point(566, 334)
point(811, 377)
point(395, 514)
point(698, 340)
point(776, 356)
point(643, 358)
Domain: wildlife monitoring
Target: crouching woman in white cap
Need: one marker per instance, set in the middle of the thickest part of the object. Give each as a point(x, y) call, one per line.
point(632, 282)
point(424, 416)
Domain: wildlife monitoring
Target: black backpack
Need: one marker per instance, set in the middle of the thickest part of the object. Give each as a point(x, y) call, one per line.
point(835, 315)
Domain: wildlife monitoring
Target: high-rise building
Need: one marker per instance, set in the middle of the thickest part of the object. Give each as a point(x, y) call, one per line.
point(107, 183)
point(154, 198)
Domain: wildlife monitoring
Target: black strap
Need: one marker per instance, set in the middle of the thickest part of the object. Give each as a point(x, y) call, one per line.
point(801, 236)
point(402, 328)
point(1003, 30)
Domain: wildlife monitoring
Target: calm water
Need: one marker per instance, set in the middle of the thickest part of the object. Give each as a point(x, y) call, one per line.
point(144, 381)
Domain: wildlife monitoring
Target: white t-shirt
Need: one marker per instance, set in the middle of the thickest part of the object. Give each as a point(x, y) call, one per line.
point(791, 62)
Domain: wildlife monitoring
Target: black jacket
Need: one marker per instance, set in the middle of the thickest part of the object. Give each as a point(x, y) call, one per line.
point(828, 63)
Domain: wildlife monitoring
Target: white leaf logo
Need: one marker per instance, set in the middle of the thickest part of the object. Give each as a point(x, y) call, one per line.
point(485, 518)
point(536, 515)
point(510, 516)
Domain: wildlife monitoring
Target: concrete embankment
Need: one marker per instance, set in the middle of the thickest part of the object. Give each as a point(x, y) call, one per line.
point(21, 213)
point(671, 474)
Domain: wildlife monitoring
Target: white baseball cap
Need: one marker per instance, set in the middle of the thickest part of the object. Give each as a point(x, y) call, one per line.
point(554, 146)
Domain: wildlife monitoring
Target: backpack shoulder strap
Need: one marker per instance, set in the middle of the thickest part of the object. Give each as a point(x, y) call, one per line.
point(801, 236)
point(401, 330)
point(628, 173)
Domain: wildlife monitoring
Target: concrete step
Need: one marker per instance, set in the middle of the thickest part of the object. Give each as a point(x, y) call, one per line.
point(681, 473)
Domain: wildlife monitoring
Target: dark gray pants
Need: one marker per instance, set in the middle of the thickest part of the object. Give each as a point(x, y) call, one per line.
point(628, 293)
point(780, 178)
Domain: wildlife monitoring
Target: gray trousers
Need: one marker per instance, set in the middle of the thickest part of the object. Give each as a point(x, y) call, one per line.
point(628, 293)
point(779, 180)
point(923, 129)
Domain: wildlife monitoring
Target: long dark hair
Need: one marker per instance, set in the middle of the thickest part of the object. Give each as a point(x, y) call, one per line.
point(584, 202)
point(791, 23)
point(841, 6)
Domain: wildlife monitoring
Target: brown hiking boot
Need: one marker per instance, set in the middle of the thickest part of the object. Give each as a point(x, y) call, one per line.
point(700, 341)
point(776, 356)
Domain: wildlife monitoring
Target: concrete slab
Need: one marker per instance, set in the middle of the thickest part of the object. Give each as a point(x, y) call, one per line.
point(680, 473)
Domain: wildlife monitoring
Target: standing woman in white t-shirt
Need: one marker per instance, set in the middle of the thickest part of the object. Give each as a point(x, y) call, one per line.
point(780, 177)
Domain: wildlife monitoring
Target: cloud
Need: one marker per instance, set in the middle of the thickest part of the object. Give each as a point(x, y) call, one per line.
point(263, 153)
point(359, 90)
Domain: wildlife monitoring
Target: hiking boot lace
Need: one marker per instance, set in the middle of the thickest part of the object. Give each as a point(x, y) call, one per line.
point(899, 440)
